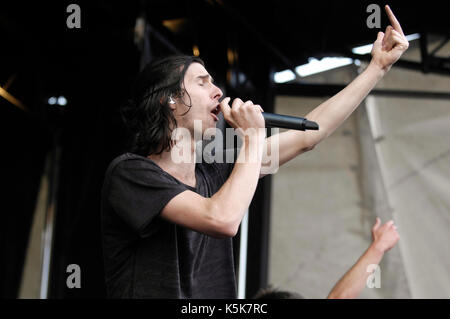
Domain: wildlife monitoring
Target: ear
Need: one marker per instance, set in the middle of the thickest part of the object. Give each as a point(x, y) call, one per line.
point(170, 101)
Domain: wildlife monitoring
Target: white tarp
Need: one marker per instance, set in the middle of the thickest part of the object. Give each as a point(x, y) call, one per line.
point(390, 159)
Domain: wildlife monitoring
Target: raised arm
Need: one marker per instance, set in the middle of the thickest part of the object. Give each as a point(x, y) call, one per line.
point(386, 50)
point(353, 282)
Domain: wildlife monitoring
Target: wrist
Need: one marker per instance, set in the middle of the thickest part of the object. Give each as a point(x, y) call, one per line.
point(378, 70)
point(252, 135)
point(252, 147)
point(376, 249)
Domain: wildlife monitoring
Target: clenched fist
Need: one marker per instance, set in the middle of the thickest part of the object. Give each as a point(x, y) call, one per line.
point(384, 237)
point(244, 117)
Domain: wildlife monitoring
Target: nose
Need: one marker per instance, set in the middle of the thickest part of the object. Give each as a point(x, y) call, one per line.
point(217, 92)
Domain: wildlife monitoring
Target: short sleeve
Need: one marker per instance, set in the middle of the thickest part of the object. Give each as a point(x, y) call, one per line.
point(138, 191)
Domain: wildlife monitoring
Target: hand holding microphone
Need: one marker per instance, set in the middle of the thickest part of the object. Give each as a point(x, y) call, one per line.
point(234, 115)
point(242, 115)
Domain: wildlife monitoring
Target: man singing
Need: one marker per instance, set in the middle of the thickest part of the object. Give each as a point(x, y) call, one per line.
point(168, 225)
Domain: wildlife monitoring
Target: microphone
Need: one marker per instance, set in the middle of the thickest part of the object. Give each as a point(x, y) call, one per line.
point(289, 122)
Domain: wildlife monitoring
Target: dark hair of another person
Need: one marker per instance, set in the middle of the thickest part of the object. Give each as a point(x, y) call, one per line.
point(272, 293)
point(147, 115)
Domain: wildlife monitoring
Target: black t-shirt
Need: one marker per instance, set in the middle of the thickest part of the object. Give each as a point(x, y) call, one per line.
point(146, 256)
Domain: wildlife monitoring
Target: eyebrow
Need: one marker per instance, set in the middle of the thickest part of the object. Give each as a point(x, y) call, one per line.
point(206, 76)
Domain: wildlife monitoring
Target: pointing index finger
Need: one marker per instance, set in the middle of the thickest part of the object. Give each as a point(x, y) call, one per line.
point(393, 20)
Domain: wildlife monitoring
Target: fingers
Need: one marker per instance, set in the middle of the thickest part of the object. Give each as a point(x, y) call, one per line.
point(387, 36)
point(378, 42)
point(238, 105)
point(380, 37)
point(400, 39)
point(250, 104)
point(247, 104)
point(238, 108)
point(393, 230)
point(389, 41)
point(225, 107)
point(393, 20)
point(390, 227)
point(382, 228)
point(393, 38)
point(253, 106)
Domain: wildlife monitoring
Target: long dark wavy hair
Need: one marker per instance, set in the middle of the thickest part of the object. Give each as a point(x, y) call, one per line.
point(147, 115)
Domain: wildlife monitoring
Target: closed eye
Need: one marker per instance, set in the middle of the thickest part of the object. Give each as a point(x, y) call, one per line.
point(205, 78)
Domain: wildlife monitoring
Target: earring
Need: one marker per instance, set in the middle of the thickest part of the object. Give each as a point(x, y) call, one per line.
point(171, 101)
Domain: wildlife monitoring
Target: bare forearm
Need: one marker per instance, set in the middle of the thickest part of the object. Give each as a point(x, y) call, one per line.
point(354, 280)
point(386, 50)
point(329, 115)
point(333, 112)
point(234, 197)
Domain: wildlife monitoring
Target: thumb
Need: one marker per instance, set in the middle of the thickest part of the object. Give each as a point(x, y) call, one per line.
point(377, 224)
point(380, 36)
point(379, 41)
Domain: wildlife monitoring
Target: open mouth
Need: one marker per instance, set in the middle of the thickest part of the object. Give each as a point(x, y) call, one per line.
point(215, 112)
